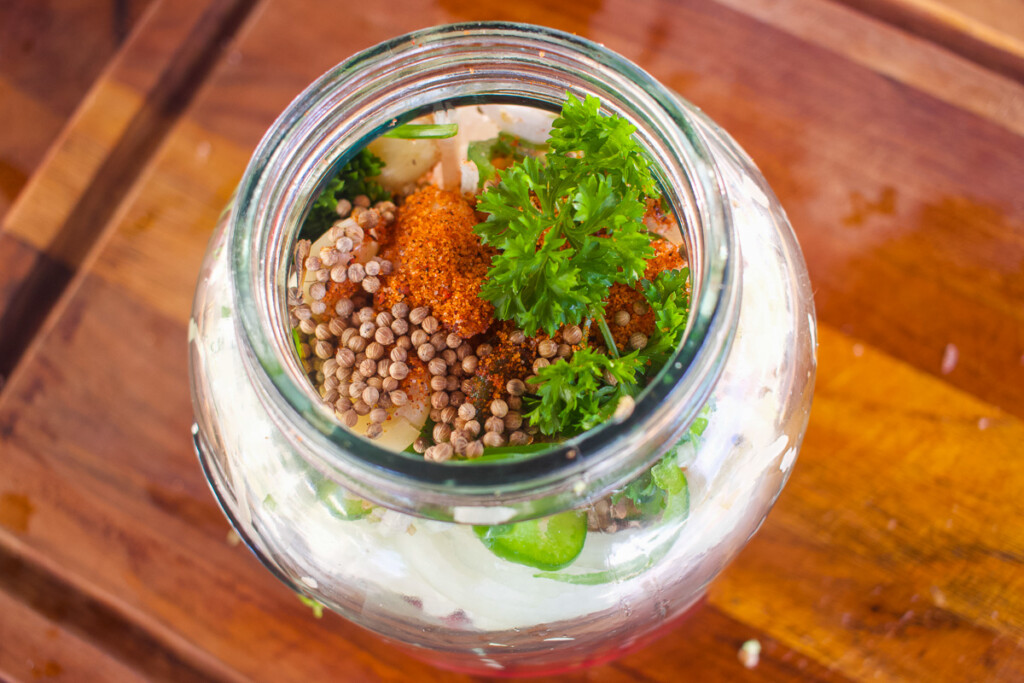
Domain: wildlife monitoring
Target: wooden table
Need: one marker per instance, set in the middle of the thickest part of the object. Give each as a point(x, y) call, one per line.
point(892, 131)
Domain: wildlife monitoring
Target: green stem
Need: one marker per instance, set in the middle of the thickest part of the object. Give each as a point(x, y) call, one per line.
point(609, 340)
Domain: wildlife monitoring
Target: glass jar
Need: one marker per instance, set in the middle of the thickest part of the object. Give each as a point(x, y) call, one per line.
point(393, 542)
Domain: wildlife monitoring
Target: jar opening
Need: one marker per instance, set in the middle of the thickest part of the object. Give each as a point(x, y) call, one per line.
point(451, 66)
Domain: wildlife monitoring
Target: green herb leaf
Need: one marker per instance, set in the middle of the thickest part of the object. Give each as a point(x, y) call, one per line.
point(670, 301)
point(574, 396)
point(570, 227)
point(315, 605)
point(354, 178)
point(417, 131)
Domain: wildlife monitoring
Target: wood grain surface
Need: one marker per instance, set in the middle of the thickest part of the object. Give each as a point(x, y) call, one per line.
point(896, 552)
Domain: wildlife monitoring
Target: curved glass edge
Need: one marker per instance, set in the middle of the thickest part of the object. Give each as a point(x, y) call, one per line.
point(707, 340)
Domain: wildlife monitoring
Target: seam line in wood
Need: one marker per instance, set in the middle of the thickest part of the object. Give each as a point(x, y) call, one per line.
point(186, 70)
point(972, 40)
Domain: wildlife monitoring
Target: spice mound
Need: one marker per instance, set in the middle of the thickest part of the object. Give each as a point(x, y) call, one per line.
point(440, 261)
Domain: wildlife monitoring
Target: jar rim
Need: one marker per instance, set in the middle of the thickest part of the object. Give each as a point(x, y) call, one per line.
point(270, 206)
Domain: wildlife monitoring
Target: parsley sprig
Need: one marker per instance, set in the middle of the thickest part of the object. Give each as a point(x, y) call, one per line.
point(569, 227)
point(577, 394)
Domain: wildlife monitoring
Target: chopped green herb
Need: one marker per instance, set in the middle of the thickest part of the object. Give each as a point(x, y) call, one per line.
point(668, 298)
point(416, 131)
point(570, 227)
point(574, 394)
point(315, 605)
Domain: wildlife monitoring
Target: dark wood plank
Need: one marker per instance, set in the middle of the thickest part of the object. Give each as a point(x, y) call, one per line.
point(43, 75)
point(996, 43)
point(125, 117)
point(896, 549)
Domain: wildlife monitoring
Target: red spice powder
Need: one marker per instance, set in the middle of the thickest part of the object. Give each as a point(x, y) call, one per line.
point(439, 261)
point(621, 297)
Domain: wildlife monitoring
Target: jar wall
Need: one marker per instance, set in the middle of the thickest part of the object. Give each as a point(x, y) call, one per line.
point(431, 584)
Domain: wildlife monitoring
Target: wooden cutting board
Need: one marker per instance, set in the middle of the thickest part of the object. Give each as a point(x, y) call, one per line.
point(892, 132)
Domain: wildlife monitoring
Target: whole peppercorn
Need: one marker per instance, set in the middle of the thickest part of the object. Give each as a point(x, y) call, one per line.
point(438, 382)
point(399, 398)
point(356, 272)
point(448, 414)
point(498, 408)
point(374, 430)
point(513, 421)
point(336, 326)
point(494, 424)
point(467, 411)
point(371, 284)
point(493, 439)
point(323, 349)
point(453, 341)
point(375, 351)
point(547, 348)
point(439, 399)
point(517, 337)
point(442, 432)
point(469, 364)
point(384, 335)
point(417, 315)
point(400, 310)
point(344, 307)
point(399, 371)
point(443, 452)
point(366, 330)
point(419, 445)
point(378, 415)
point(518, 438)
point(472, 427)
point(622, 318)
point(638, 340)
point(426, 353)
point(419, 338)
point(516, 387)
point(572, 334)
point(474, 450)
point(540, 363)
point(437, 367)
point(430, 324)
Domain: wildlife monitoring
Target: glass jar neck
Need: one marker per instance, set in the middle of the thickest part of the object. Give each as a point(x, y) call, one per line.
point(450, 66)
